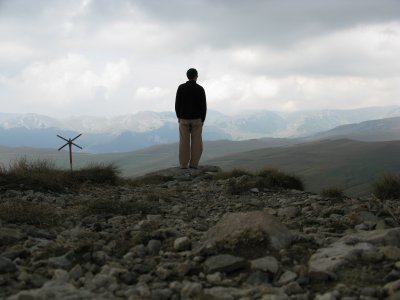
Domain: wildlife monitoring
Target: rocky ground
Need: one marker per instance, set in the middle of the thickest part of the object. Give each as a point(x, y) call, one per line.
point(192, 238)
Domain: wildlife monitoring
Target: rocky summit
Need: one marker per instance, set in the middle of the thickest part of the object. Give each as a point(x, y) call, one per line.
point(190, 237)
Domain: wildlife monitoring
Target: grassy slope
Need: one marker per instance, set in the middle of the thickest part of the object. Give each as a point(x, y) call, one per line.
point(141, 161)
point(349, 165)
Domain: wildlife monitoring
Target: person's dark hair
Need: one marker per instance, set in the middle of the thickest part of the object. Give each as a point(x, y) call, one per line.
point(191, 74)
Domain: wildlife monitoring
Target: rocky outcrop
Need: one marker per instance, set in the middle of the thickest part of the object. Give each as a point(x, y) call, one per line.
point(187, 237)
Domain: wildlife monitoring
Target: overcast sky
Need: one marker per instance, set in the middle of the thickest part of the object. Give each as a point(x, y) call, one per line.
point(107, 58)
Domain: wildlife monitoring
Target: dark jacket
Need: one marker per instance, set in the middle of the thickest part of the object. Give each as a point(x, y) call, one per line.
point(190, 102)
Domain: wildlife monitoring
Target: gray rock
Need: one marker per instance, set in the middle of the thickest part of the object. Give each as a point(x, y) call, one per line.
point(161, 294)
point(258, 277)
point(224, 263)
point(293, 288)
point(190, 290)
point(267, 264)
point(282, 296)
point(391, 252)
point(252, 227)
point(392, 287)
point(154, 246)
point(289, 212)
point(328, 296)
point(326, 261)
point(62, 262)
point(227, 293)
point(7, 266)
point(369, 291)
point(56, 289)
point(287, 277)
point(182, 244)
point(139, 250)
point(9, 236)
point(76, 272)
point(214, 278)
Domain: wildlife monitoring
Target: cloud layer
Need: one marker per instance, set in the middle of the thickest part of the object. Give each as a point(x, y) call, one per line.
point(116, 57)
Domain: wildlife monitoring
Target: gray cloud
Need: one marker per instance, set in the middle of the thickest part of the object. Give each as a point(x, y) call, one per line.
point(112, 57)
point(275, 23)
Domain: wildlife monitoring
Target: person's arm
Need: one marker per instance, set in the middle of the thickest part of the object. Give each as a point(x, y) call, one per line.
point(178, 101)
point(203, 106)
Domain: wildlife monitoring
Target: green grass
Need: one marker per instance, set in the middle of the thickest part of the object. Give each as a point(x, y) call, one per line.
point(275, 178)
point(43, 175)
point(231, 174)
point(267, 178)
point(387, 187)
point(25, 212)
point(332, 192)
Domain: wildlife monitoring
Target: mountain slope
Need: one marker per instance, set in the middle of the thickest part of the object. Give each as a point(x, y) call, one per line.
point(346, 164)
point(135, 131)
point(375, 130)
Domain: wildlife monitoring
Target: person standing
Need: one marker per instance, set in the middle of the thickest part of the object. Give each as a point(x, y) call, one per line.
point(191, 110)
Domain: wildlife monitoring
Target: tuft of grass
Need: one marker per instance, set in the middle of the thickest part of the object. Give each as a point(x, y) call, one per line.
point(231, 174)
point(96, 173)
point(332, 192)
point(43, 175)
point(149, 179)
point(40, 174)
point(277, 179)
point(387, 187)
point(25, 212)
point(268, 178)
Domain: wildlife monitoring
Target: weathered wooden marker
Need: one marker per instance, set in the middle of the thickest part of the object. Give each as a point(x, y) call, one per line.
point(70, 142)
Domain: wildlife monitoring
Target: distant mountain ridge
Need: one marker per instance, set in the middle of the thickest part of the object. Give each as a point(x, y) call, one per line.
point(144, 129)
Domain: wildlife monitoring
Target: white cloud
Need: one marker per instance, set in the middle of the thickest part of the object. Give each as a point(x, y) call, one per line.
point(107, 58)
point(63, 82)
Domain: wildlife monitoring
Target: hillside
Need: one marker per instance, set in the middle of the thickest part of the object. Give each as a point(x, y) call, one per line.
point(184, 234)
point(143, 129)
point(376, 130)
point(141, 161)
point(346, 164)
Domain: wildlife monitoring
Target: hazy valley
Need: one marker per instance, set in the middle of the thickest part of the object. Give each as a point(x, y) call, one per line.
point(348, 157)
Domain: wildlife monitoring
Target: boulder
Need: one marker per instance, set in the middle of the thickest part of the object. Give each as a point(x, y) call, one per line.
point(326, 261)
point(224, 263)
point(236, 230)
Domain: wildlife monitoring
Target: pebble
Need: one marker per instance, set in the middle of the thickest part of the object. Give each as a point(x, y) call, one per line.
point(154, 246)
point(182, 244)
point(7, 266)
point(267, 264)
point(224, 263)
point(287, 277)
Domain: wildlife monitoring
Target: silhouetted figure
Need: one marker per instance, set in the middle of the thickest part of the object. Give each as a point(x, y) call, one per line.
point(191, 109)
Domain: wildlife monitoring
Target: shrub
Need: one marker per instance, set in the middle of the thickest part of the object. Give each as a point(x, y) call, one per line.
point(231, 174)
point(387, 187)
point(96, 173)
point(43, 175)
point(268, 178)
point(332, 192)
point(38, 174)
point(24, 212)
point(276, 179)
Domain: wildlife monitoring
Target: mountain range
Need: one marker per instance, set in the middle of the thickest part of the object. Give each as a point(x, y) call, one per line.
point(144, 129)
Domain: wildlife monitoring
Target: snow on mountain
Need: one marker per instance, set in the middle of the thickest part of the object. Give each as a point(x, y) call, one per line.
point(134, 131)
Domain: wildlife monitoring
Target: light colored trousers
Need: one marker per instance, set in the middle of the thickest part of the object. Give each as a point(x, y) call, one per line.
point(190, 142)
